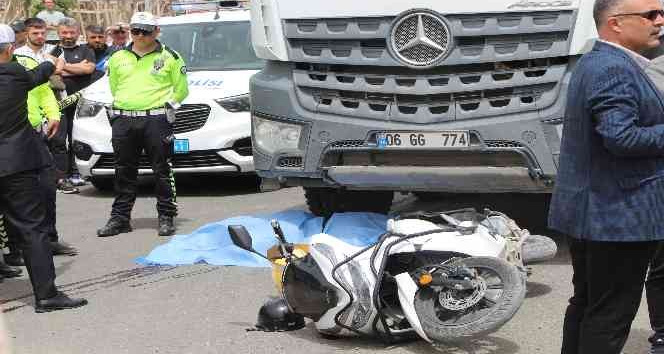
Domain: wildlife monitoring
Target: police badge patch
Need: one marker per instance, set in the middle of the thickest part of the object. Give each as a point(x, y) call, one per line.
point(158, 64)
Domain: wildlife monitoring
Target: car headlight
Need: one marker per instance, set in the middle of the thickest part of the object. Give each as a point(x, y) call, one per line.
point(87, 108)
point(273, 136)
point(240, 103)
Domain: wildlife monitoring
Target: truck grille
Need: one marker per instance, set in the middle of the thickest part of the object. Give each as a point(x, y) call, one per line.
point(498, 64)
point(476, 38)
point(192, 159)
point(191, 117)
point(437, 95)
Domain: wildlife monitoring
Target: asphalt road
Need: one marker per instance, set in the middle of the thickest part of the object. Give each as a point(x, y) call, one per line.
point(206, 309)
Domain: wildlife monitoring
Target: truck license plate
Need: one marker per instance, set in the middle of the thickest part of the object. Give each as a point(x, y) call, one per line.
point(424, 140)
point(181, 146)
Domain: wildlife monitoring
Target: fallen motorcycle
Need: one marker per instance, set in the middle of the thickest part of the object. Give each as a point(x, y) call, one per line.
point(445, 276)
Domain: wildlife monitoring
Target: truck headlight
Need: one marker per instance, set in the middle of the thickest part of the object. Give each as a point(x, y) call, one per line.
point(87, 108)
point(240, 103)
point(273, 136)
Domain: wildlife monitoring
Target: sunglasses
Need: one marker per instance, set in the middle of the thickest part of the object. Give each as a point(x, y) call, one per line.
point(651, 15)
point(118, 31)
point(137, 31)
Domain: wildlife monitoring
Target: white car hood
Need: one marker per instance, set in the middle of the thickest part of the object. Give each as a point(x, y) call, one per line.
point(203, 86)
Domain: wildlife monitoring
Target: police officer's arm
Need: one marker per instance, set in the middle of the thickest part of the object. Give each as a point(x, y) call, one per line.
point(179, 80)
point(50, 108)
point(48, 102)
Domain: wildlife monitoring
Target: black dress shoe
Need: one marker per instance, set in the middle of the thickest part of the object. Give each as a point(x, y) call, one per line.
point(14, 259)
point(9, 272)
point(166, 225)
point(62, 249)
point(113, 227)
point(58, 302)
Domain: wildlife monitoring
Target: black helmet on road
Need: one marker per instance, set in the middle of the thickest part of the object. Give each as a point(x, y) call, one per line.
point(275, 316)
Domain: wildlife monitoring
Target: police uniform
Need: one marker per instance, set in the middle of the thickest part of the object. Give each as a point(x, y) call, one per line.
point(140, 87)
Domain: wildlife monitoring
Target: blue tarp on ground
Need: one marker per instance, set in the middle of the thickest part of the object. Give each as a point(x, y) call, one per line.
point(211, 243)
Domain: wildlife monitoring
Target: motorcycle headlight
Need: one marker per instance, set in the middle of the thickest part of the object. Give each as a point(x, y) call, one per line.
point(240, 103)
point(273, 136)
point(87, 108)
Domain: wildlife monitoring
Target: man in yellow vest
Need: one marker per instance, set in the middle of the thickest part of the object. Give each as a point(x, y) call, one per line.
point(147, 80)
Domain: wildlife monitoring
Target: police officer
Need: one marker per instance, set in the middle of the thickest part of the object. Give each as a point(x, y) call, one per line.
point(146, 78)
point(22, 157)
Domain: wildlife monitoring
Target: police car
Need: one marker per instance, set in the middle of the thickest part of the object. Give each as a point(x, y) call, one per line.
point(213, 125)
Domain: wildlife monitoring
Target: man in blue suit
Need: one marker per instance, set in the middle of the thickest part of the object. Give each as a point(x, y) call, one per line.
point(609, 194)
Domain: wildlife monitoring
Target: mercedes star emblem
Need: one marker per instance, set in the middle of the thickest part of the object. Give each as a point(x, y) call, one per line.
point(420, 39)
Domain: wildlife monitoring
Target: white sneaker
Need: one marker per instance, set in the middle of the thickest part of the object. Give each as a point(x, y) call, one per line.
point(76, 180)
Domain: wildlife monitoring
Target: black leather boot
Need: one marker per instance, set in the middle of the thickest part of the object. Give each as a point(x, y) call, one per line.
point(113, 227)
point(166, 225)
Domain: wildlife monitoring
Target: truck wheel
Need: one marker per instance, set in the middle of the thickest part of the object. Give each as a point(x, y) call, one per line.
point(103, 184)
point(326, 201)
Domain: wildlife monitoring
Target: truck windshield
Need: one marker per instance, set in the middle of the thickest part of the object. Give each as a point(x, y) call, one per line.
point(213, 46)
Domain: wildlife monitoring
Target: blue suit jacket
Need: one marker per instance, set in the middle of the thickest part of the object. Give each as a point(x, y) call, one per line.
point(610, 183)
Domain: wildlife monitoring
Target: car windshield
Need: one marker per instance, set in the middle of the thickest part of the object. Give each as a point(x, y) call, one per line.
point(213, 46)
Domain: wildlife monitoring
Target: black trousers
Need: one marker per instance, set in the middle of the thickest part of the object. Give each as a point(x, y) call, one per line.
point(61, 145)
point(131, 136)
point(655, 292)
point(23, 205)
point(608, 283)
point(48, 189)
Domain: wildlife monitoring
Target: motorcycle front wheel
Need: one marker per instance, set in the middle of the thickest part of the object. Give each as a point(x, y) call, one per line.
point(499, 294)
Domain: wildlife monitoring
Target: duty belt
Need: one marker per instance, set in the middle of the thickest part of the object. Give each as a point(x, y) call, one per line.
point(149, 112)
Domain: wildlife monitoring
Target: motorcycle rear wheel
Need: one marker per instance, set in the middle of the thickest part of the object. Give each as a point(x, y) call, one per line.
point(506, 289)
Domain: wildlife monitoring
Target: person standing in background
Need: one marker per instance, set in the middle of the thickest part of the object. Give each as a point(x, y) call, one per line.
point(36, 48)
point(76, 75)
point(96, 40)
point(52, 17)
point(119, 34)
point(21, 33)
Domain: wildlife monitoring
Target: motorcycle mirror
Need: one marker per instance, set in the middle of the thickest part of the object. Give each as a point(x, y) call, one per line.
point(241, 238)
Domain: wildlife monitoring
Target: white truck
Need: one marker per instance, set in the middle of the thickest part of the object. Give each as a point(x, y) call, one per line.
point(213, 127)
point(359, 99)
